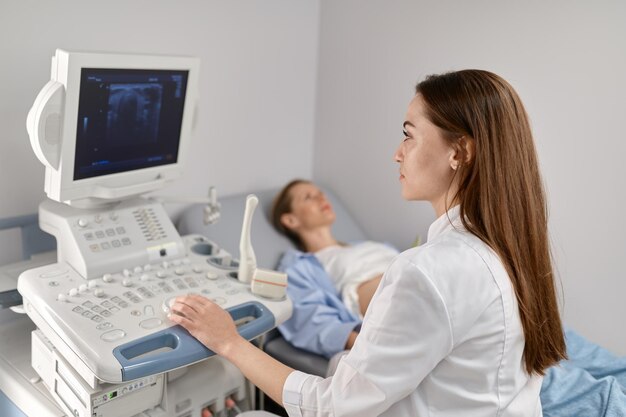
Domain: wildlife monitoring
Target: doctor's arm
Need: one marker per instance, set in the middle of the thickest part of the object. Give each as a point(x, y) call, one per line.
point(214, 328)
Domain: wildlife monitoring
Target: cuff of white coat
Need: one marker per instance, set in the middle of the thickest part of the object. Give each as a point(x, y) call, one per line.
point(292, 397)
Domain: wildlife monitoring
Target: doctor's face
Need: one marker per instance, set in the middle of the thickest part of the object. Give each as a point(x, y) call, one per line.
point(425, 159)
point(309, 207)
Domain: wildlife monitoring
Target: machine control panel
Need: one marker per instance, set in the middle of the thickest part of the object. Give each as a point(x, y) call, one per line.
point(110, 323)
point(136, 233)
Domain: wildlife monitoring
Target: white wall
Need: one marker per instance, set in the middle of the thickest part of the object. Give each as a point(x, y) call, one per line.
point(568, 62)
point(258, 111)
point(259, 68)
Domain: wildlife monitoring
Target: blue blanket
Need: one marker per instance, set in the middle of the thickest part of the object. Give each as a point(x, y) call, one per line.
point(591, 383)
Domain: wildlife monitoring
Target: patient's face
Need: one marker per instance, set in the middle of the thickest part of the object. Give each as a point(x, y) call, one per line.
point(309, 207)
point(425, 158)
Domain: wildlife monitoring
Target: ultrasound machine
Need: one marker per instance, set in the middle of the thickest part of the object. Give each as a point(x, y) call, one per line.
point(110, 128)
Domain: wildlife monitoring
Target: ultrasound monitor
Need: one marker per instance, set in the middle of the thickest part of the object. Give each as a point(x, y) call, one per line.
point(111, 126)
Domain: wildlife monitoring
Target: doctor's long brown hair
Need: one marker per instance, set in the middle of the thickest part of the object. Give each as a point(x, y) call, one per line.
point(501, 195)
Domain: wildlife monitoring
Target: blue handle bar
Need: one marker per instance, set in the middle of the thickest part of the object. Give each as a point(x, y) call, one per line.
point(137, 361)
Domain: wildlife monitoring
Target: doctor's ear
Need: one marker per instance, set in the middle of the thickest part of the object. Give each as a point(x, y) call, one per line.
point(289, 220)
point(464, 152)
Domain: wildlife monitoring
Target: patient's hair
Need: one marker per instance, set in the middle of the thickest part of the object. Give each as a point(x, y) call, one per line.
point(501, 195)
point(282, 205)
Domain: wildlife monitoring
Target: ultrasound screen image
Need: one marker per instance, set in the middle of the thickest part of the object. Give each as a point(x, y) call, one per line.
point(134, 111)
point(128, 120)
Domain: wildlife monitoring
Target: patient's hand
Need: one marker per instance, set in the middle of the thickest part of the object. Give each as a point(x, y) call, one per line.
point(206, 321)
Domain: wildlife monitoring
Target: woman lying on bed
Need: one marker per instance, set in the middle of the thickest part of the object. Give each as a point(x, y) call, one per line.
point(330, 283)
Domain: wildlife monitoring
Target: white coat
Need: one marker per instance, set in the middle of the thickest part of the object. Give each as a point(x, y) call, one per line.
point(442, 337)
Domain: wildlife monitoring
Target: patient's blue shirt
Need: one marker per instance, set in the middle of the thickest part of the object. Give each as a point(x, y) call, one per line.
point(320, 322)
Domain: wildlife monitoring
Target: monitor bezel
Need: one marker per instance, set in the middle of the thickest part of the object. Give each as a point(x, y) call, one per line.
point(66, 69)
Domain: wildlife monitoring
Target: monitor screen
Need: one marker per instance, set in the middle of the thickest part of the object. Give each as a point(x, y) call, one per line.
point(128, 119)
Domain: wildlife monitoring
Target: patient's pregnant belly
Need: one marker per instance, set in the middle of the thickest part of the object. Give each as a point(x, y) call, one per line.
point(356, 263)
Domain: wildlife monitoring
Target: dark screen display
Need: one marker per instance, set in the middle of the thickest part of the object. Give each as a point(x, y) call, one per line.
point(128, 120)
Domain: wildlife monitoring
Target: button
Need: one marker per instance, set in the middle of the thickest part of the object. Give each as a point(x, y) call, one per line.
point(145, 277)
point(147, 267)
point(211, 275)
point(120, 230)
point(61, 297)
point(116, 243)
point(92, 284)
point(105, 313)
point(126, 273)
point(97, 309)
point(113, 335)
point(150, 323)
point(125, 241)
point(127, 283)
point(82, 288)
point(179, 271)
point(138, 270)
point(148, 311)
point(113, 216)
point(89, 236)
point(88, 314)
point(97, 318)
point(104, 326)
point(110, 232)
point(105, 245)
point(73, 292)
point(167, 304)
point(94, 248)
point(161, 274)
point(98, 292)
point(197, 269)
point(99, 234)
point(108, 278)
point(88, 304)
point(98, 218)
point(114, 309)
point(165, 264)
point(78, 309)
point(83, 222)
point(107, 304)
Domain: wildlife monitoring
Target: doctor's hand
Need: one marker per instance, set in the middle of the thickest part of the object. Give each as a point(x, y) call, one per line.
point(206, 321)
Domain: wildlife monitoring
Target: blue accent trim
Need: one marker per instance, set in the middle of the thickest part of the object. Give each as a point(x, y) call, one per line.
point(7, 408)
point(9, 299)
point(185, 348)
